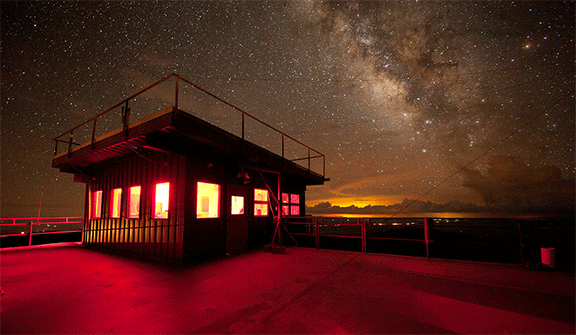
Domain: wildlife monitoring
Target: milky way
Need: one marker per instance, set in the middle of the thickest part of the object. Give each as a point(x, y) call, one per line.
point(397, 95)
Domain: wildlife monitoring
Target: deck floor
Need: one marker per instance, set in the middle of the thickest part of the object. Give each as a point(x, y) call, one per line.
point(76, 290)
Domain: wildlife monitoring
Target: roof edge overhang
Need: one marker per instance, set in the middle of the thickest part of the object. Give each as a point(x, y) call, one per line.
point(173, 130)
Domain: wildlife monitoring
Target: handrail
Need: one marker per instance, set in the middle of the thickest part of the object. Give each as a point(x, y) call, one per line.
point(31, 221)
point(370, 225)
point(126, 114)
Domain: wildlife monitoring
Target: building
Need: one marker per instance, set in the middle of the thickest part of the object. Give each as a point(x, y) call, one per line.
point(174, 187)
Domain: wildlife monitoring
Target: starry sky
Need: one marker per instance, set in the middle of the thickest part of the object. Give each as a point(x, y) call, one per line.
point(454, 103)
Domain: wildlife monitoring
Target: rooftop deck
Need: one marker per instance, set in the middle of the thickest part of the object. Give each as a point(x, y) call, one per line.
point(76, 290)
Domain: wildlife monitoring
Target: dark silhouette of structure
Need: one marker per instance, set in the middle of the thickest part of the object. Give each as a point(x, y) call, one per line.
point(175, 187)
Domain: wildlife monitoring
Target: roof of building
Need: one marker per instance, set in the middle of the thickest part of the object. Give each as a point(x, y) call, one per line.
point(304, 291)
point(173, 130)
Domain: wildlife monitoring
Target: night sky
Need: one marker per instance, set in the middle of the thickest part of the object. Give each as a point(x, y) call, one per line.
point(399, 95)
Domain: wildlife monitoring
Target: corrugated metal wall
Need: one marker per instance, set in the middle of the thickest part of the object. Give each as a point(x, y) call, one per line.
point(146, 236)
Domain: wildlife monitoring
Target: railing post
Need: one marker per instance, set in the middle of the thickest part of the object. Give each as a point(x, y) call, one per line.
point(427, 233)
point(176, 92)
point(364, 237)
point(94, 131)
point(521, 246)
point(242, 125)
point(55, 147)
point(70, 142)
point(317, 226)
point(282, 145)
point(308, 159)
point(125, 118)
point(30, 236)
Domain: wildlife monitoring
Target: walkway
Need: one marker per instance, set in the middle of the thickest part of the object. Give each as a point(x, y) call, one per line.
point(76, 290)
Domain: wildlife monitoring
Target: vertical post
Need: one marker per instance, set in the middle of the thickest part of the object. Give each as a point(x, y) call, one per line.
point(317, 226)
point(282, 145)
point(308, 159)
point(176, 92)
point(70, 142)
point(55, 147)
point(363, 226)
point(125, 118)
point(521, 246)
point(279, 204)
point(242, 125)
point(427, 234)
point(94, 131)
point(30, 235)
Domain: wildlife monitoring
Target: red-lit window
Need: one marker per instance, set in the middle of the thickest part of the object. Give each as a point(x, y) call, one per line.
point(134, 202)
point(97, 204)
point(237, 205)
point(161, 198)
point(290, 204)
point(208, 201)
point(115, 201)
point(260, 202)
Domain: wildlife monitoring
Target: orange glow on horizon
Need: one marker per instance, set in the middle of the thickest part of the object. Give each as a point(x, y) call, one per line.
point(359, 202)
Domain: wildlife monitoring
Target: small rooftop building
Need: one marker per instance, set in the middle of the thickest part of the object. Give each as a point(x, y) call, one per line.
point(175, 187)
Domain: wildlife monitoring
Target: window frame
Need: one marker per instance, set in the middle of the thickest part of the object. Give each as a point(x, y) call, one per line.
point(200, 205)
point(261, 202)
point(112, 202)
point(155, 202)
point(289, 205)
point(96, 204)
point(128, 202)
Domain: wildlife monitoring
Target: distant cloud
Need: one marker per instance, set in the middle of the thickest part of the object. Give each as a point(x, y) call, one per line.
point(509, 185)
point(407, 206)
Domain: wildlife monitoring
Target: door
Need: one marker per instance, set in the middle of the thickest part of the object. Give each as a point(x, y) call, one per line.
point(237, 219)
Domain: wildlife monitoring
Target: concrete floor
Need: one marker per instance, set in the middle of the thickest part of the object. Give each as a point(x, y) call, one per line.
point(76, 290)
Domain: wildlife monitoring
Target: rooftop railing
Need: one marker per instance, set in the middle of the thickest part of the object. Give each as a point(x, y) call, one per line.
point(497, 240)
point(30, 227)
point(251, 128)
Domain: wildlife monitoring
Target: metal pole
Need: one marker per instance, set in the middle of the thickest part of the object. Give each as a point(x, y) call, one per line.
point(94, 131)
point(30, 236)
point(427, 228)
point(70, 142)
point(317, 226)
point(521, 246)
point(363, 227)
point(176, 92)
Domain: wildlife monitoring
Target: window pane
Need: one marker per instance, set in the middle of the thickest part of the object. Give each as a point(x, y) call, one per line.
point(260, 195)
point(97, 204)
point(285, 198)
point(295, 210)
point(285, 209)
point(161, 201)
point(261, 209)
point(237, 205)
point(295, 198)
point(115, 201)
point(208, 203)
point(134, 202)
point(260, 202)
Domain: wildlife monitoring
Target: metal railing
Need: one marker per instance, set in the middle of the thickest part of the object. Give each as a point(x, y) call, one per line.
point(53, 225)
point(67, 137)
point(434, 237)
